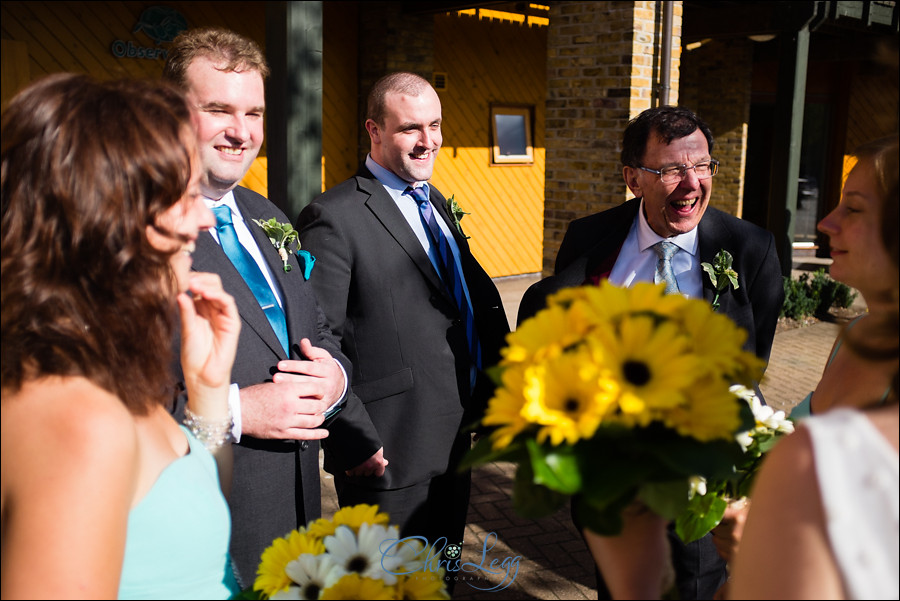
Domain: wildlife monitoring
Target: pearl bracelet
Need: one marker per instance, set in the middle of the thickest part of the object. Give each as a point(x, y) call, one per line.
point(212, 433)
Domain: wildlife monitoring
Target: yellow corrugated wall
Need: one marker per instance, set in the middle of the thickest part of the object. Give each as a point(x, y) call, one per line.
point(492, 61)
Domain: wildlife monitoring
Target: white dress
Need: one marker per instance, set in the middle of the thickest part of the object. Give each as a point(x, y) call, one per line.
point(859, 479)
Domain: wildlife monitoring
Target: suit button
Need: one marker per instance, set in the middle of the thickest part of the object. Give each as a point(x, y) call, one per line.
point(304, 444)
point(457, 323)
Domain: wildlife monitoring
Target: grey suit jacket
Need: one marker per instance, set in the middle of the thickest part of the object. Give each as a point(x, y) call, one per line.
point(593, 243)
point(401, 330)
point(276, 483)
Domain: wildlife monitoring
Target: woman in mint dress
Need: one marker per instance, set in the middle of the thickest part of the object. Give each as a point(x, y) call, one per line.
point(104, 495)
point(825, 519)
point(859, 260)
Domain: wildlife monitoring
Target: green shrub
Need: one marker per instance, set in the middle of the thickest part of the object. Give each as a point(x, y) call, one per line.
point(814, 295)
point(798, 303)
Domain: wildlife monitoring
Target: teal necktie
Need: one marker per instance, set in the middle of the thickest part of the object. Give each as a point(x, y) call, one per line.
point(249, 270)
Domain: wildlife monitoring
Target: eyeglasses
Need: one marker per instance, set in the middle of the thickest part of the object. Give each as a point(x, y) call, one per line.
point(676, 173)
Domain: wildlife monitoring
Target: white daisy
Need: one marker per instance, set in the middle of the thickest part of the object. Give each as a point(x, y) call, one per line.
point(406, 556)
point(362, 554)
point(313, 574)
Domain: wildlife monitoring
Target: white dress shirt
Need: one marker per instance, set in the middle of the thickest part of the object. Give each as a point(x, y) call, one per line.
point(637, 259)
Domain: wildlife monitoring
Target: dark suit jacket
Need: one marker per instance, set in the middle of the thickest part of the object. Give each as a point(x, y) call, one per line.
point(754, 305)
point(401, 330)
point(591, 245)
point(276, 483)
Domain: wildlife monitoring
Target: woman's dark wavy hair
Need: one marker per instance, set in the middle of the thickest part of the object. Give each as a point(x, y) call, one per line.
point(86, 167)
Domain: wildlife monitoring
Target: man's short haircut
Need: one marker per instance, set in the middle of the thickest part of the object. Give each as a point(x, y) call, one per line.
point(402, 82)
point(234, 51)
point(667, 123)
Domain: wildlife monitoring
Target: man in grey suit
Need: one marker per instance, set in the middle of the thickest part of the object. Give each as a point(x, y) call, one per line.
point(668, 166)
point(289, 369)
point(415, 313)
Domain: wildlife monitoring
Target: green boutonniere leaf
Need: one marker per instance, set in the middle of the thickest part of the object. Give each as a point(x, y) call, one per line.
point(721, 274)
point(456, 214)
point(282, 236)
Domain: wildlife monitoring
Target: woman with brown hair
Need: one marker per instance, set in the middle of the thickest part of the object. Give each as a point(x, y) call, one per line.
point(824, 521)
point(103, 494)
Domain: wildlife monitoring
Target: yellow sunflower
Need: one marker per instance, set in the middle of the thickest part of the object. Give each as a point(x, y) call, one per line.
point(718, 341)
point(270, 576)
point(505, 408)
point(422, 586)
point(712, 411)
point(357, 515)
point(567, 396)
point(608, 303)
point(650, 362)
point(544, 336)
point(352, 586)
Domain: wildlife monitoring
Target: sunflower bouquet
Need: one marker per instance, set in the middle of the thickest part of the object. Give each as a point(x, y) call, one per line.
point(355, 555)
point(611, 396)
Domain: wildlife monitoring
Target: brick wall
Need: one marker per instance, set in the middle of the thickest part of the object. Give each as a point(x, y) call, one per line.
point(390, 40)
point(602, 69)
point(726, 66)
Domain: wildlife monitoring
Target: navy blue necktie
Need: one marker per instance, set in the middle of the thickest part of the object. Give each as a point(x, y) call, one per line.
point(245, 264)
point(448, 270)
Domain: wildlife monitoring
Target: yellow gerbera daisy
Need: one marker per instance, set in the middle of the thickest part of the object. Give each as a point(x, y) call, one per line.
point(505, 408)
point(567, 396)
point(357, 515)
point(712, 411)
point(352, 586)
point(270, 576)
point(650, 362)
point(718, 341)
point(609, 303)
point(544, 336)
point(422, 586)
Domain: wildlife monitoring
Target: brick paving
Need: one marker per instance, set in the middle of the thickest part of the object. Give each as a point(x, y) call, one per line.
point(546, 558)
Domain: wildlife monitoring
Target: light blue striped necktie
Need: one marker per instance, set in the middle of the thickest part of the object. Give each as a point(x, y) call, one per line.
point(245, 264)
point(665, 251)
point(448, 270)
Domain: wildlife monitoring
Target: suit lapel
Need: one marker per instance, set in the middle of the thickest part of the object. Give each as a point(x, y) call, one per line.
point(385, 210)
point(210, 257)
point(709, 244)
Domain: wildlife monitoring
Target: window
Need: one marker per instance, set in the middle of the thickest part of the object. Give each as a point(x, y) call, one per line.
point(511, 132)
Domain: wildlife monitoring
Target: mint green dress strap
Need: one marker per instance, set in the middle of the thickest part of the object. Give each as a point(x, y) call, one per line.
point(804, 407)
point(178, 535)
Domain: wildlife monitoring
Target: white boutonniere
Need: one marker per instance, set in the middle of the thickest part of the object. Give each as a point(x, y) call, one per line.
point(721, 274)
point(456, 214)
point(281, 235)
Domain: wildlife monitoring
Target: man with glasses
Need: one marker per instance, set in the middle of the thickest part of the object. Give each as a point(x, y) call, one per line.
point(664, 234)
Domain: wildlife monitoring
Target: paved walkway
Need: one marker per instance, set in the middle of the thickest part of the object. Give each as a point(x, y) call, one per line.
point(546, 558)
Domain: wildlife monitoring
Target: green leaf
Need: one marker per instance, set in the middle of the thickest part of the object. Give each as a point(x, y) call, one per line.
point(249, 593)
point(712, 274)
point(732, 278)
point(702, 514)
point(605, 520)
point(555, 467)
point(723, 260)
point(483, 452)
point(530, 500)
point(495, 373)
point(666, 499)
